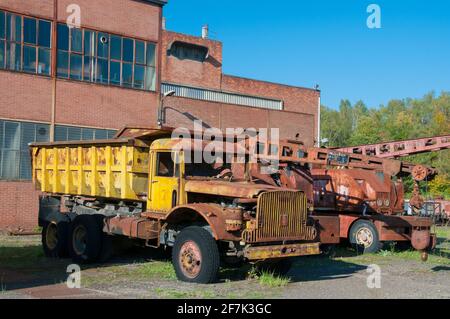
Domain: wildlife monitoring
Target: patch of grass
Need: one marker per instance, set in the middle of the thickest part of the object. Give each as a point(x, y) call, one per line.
point(37, 229)
point(159, 269)
point(137, 271)
point(443, 232)
point(19, 254)
point(271, 280)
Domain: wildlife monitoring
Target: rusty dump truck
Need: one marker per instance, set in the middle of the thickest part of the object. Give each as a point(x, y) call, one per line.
point(141, 187)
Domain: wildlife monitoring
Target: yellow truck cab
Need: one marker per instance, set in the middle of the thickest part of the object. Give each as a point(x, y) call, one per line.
point(143, 186)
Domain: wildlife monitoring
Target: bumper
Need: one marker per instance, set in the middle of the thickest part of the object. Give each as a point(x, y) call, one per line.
point(281, 251)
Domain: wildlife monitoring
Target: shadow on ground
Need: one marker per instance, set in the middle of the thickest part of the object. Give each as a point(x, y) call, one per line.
point(27, 267)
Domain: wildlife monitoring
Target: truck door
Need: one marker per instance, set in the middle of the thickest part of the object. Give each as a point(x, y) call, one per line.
point(164, 181)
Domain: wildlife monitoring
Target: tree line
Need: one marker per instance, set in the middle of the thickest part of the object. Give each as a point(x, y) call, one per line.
point(397, 120)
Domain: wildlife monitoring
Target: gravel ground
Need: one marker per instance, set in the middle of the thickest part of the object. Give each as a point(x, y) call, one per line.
point(25, 273)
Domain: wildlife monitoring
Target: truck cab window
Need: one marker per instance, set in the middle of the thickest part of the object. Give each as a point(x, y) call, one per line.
point(164, 164)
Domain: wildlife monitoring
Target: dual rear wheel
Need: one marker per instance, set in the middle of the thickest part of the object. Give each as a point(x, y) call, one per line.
point(82, 239)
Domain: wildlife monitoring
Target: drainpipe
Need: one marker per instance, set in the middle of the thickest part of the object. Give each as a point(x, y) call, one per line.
point(318, 117)
point(53, 71)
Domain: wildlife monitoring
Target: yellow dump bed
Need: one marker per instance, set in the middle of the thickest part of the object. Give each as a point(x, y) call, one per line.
point(116, 168)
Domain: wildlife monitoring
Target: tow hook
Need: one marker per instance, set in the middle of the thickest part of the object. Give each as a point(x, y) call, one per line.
point(424, 255)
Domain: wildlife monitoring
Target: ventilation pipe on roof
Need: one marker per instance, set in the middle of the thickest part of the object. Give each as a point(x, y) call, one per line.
point(205, 31)
point(163, 23)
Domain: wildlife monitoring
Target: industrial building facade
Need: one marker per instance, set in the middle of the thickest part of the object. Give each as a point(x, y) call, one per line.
point(61, 82)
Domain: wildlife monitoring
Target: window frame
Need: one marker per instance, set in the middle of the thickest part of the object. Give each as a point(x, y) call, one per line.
point(20, 151)
point(82, 130)
point(148, 81)
point(7, 42)
point(157, 164)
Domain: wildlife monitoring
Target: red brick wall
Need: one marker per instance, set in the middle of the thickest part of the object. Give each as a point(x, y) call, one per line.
point(41, 8)
point(193, 73)
point(182, 112)
point(25, 96)
point(295, 99)
point(19, 205)
point(89, 104)
point(141, 19)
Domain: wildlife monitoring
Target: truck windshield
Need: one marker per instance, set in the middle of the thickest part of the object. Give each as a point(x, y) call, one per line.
point(196, 166)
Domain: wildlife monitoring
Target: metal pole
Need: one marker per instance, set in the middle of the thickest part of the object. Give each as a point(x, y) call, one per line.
point(318, 122)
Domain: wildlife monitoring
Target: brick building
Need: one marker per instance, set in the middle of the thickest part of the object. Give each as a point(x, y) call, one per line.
point(86, 82)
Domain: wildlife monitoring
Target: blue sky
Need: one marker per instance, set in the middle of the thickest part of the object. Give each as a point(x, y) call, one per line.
point(302, 43)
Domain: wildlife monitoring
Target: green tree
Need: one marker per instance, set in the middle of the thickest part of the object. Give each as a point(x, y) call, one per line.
point(399, 119)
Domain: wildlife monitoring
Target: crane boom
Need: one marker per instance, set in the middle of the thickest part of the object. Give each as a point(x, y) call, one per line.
point(395, 149)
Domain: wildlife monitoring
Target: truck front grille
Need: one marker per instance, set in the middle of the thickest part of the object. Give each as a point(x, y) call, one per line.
point(280, 216)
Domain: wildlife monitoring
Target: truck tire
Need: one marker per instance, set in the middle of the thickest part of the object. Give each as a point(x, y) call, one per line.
point(278, 267)
point(195, 256)
point(85, 239)
point(364, 237)
point(54, 239)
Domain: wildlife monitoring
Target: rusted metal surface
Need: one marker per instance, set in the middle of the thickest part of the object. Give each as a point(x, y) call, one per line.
point(133, 227)
point(345, 222)
point(421, 238)
point(354, 190)
point(215, 215)
point(392, 228)
point(279, 251)
point(190, 259)
point(328, 227)
point(401, 148)
point(143, 132)
point(225, 188)
point(281, 215)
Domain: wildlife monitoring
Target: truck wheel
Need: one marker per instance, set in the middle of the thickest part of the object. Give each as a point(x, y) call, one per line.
point(195, 256)
point(54, 239)
point(279, 267)
point(364, 237)
point(85, 239)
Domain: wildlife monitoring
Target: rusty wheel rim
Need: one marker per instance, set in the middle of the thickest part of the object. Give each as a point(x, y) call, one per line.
point(79, 239)
point(364, 237)
point(190, 259)
point(419, 173)
point(51, 236)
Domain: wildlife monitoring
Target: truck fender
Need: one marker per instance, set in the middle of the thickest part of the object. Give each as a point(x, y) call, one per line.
point(212, 214)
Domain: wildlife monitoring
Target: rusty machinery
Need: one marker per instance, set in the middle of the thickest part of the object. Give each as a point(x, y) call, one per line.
point(353, 190)
point(396, 149)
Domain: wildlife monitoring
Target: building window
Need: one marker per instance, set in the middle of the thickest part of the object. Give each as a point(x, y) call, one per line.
point(104, 58)
point(222, 97)
point(189, 51)
point(15, 162)
point(71, 133)
point(25, 44)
